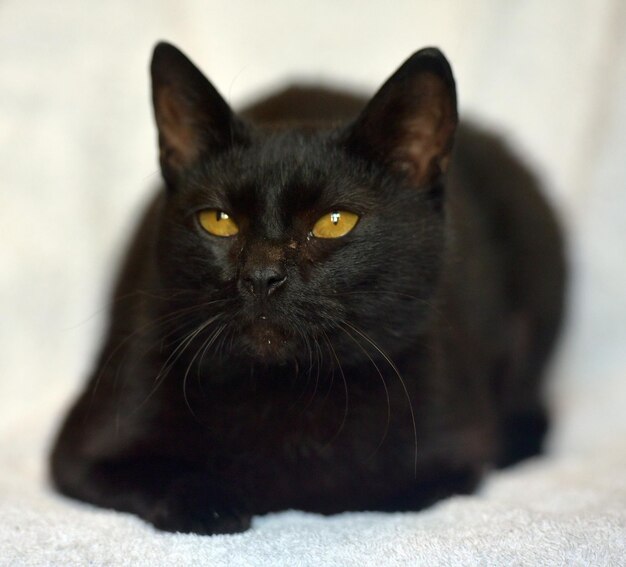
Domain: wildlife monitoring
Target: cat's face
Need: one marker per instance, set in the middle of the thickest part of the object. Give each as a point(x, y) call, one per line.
point(301, 239)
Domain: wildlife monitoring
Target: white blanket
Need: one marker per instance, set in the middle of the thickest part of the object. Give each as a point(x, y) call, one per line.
point(77, 155)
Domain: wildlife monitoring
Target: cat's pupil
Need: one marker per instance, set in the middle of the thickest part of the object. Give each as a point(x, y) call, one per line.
point(221, 215)
point(335, 216)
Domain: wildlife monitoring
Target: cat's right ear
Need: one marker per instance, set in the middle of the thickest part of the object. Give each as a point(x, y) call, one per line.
point(192, 119)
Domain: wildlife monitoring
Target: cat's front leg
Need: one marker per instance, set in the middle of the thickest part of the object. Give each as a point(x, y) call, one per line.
point(196, 504)
point(166, 493)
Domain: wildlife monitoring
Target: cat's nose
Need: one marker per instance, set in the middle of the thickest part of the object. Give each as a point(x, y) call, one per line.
point(263, 281)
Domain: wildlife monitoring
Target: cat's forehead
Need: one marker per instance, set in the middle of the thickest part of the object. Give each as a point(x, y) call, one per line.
point(296, 144)
point(293, 154)
point(289, 169)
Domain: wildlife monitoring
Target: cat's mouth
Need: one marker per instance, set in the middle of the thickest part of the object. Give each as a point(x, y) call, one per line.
point(267, 341)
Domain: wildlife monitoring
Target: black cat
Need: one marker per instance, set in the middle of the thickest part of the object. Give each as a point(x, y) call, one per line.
point(309, 318)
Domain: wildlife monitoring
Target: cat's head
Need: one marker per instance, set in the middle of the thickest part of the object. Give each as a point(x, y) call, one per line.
point(299, 236)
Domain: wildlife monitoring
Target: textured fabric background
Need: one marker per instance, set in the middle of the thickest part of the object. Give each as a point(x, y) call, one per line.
point(78, 156)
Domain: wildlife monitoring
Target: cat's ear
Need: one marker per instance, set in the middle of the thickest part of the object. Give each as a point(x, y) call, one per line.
point(410, 122)
point(191, 116)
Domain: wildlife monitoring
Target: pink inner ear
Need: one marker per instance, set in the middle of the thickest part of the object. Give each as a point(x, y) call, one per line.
point(179, 145)
point(425, 137)
point(423, 153)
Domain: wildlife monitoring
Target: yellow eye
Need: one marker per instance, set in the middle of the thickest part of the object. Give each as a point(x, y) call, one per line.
point(335, 224)
point(217, 222)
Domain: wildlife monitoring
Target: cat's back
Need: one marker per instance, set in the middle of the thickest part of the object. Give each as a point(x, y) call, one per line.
point(516, 215)
point(309, 105)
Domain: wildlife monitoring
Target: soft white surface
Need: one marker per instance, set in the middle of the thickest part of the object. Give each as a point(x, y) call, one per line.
point(77, 156)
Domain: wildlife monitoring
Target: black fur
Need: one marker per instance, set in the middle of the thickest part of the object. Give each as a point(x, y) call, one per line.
point(391, 366)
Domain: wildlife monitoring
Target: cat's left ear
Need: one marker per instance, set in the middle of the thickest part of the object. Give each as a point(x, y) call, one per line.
point(409, 125)
point(191, 116)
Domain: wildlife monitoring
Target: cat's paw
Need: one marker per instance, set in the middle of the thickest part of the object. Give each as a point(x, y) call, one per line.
point(193, 506)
